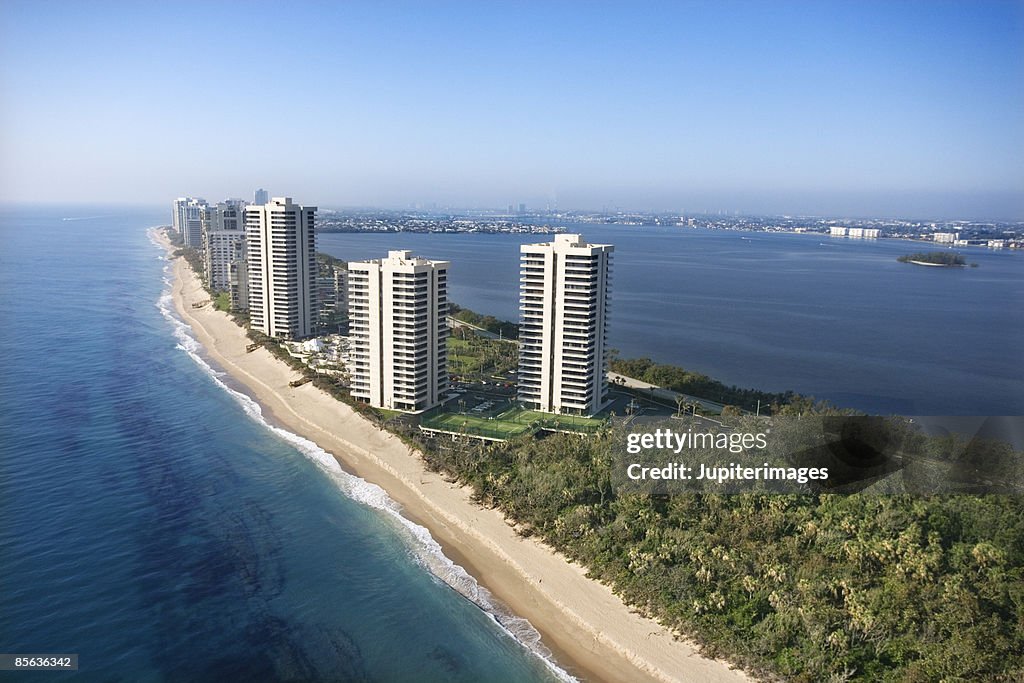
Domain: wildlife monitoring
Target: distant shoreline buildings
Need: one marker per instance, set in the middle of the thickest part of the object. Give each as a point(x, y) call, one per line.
point(187, 220)
point(223, 229)
point(854, 233)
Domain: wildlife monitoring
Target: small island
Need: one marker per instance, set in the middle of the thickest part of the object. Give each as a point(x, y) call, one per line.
point(946, 259)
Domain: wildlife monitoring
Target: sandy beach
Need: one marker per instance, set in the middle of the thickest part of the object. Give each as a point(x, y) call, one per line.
point(590, 631)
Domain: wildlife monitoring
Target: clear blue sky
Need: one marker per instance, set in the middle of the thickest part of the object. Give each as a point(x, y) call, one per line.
point(846, 108)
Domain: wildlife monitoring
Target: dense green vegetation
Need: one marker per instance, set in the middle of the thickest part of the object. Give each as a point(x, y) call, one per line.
point(192, 256)
point(506, 329)
point(695, 384)
point(473, 357)
point(195, 260)
point(942, 258)
point(806, 587)
point(222, 302)
point(326, 260)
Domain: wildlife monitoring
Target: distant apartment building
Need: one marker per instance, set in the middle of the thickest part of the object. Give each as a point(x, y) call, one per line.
point(341, 290)
point(946, 237)
point(398, 327)
point(854, 233)
point(564, 304)
point(280, 243)
point(238, 282)
point(223, 240)
point(187, 220)
point(333, 299)
point(260, 197)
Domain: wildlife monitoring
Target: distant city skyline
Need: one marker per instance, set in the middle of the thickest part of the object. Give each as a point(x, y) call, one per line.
point(847, 109)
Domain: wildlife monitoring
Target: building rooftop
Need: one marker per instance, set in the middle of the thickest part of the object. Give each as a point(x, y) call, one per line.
point(401, 257)
point(567, 241)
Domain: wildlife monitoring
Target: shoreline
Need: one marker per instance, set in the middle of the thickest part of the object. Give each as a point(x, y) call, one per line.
point(937, 265)
point(588, 629)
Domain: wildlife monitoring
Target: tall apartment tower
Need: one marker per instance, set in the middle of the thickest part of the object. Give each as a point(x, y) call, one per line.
point(280, 243)
point(187, 220)
point(260, 197)
point(238, 280)
point(398, 327)
point(564, 295)
point(223, 232)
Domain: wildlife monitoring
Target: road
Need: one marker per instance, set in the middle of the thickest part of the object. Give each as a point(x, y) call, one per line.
point(666, 395)
point(455, 322)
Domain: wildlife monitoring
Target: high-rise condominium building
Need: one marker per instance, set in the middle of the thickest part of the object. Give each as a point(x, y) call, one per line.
point(238, 281)
point(280, 242)
point(333, 299)
point(187, 220)
point(564, 296)
point(398, 327)
point(223, 240)
point(260, 197)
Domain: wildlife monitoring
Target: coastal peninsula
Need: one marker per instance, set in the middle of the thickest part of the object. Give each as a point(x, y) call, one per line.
point(591, 631)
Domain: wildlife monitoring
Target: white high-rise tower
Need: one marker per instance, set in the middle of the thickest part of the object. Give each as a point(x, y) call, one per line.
point(282, 272)
point(223, 240)
point(564, 297)
point(188, 221)
point(398, 327)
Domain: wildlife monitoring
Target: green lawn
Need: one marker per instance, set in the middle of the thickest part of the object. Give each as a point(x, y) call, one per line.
point(523, 415)
point(473, 424)
point(511, 423)
point(387, 414)
point(481, 358)
point(566, 422)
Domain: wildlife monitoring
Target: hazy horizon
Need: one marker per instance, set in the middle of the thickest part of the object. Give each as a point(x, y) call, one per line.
point(841, 109)
point(429, 208)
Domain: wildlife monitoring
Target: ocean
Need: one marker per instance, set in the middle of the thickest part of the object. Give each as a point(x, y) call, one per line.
point(834, 318)
point(154, 523)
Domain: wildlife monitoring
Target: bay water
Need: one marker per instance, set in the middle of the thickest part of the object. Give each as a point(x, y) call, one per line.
point(834, 318)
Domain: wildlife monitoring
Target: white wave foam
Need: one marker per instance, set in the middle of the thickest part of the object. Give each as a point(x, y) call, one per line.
point(426, 551)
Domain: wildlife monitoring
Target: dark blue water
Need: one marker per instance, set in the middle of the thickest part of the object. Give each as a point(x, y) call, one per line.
point(153, 524)
point(837, 319)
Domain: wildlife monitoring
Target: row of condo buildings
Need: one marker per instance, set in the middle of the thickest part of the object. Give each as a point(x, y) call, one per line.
point(855, 233)
point(264, 255)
